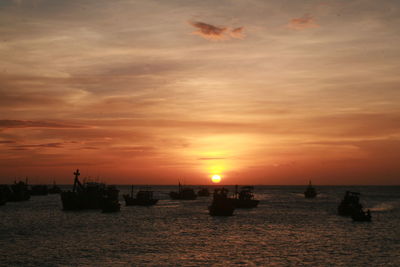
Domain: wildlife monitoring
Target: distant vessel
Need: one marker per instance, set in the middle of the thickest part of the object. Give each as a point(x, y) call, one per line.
point(143, 198)
point(19, 192)
point(351, 206)
point(5, 192)
point(39, 190)
point(55, 189)
point(184, 193)
point(88, 195)
point(109, 201)
point(221, 204)
point(310, 191)
point(245, 198)
point(203, 192)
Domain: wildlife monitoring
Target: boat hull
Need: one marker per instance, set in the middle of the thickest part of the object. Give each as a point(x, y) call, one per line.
point(245, 204)
point(129, 201)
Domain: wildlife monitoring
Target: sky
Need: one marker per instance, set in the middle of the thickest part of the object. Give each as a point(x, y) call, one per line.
point(156, 92)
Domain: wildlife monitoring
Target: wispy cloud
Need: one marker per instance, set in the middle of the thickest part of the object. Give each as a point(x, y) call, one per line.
point(36, 124)
point(238, 33)
point(302, 23)
point(211, 32)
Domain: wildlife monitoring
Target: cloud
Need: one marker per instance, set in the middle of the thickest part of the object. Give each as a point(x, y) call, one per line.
point(211, 32)
point(238, 33)
point(302, 23)
point(35, 124)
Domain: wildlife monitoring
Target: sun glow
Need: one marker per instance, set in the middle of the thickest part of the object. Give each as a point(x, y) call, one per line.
point(216, 178)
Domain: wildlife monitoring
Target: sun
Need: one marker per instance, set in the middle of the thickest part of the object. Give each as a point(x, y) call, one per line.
point(216, 179)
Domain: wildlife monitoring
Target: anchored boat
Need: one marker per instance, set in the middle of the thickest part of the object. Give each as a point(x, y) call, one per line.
point(310, 191)
point(221, 204)
point(244, 198)
point(143, 198)
point(184, 193)
point(88, 195)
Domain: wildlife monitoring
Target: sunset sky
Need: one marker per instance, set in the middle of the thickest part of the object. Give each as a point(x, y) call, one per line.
point(152, 92)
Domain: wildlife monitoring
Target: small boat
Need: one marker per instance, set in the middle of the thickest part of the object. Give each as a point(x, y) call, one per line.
point(19, 192)
point(39, 190)
point(88, 195)
point(109, 202)
point(310, 191)
point(143, 198)
point(245, 198)
point(221, 204)
point(5, 192)
point(350, 204)
point(361, 216)
point(55, 189)
point(184, 193)
point(203, 192)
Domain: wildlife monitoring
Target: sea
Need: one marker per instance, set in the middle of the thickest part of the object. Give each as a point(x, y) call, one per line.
point(284, 230)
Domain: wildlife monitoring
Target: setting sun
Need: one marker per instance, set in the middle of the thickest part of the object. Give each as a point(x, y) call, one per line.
point(216, 179)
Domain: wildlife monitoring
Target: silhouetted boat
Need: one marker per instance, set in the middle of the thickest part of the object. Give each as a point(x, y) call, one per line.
point(310, 191)
point(5, 192)
point(19, 192)
point(109, 201)
point(143, 198)
point(361, 216)
point(350, 204)
point(244, 198)
point(88, 195)
point(203, 192)
point(39, 190)
point(55, 189)
point(184, 193)
point(221, 204)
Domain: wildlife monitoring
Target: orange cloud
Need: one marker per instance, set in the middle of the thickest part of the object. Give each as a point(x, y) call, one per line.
point(237, 33)
point(211, 32)
point(302, 23)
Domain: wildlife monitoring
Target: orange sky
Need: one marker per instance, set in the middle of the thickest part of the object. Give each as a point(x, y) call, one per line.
point(149, 92)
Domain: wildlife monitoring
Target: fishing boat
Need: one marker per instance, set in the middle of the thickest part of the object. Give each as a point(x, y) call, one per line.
point(5, 192)
point(221, 204)
point(310, 191)
point(203, 192)
point(361, 216)
point(143, 198)
point(89, 195)
point(39, 190)
point(19, 192)
point(55, 189)
point(244, 198)
point(109, 201)
point(349, 204)
point(184, 193)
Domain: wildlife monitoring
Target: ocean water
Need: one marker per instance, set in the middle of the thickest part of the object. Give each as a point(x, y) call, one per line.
point(284, 230)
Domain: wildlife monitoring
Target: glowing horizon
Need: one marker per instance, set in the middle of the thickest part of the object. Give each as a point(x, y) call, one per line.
point(150, 92)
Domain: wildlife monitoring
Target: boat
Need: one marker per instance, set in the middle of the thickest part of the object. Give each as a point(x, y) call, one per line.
point(361, 216)
point(221, 204)
point(143, 198)
point(55, 189)
point(109, 201)
point(5, 192)
point(19, 192)
point(39, 190)
point(203, 192)
point(89, 195)
point(184, 193)
point(349, 204)
point(310, 191)
point(245, 198)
